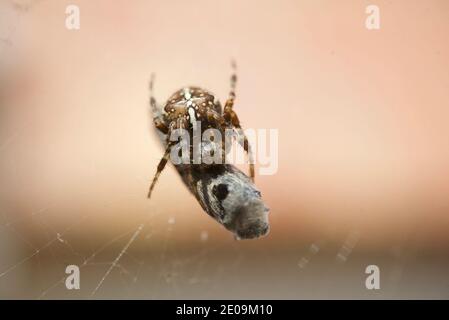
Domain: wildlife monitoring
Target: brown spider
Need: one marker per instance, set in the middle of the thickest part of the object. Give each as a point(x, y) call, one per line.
point(191, 104)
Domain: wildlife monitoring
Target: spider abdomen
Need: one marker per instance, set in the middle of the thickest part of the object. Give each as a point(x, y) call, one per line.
point(190, 103)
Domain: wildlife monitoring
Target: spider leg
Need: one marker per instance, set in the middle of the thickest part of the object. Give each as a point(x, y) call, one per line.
point(181, 124)
point(232, 120)
point(219, 122)
point(233, 79)
point(164, 159)
point(215, 119)
point(158, 118)
point(231, 97)
point(248, 150)
point(160, 167)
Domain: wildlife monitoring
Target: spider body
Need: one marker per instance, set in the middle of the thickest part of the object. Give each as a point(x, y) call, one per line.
point(190, 101)
point(222, 190)
point(191, 104)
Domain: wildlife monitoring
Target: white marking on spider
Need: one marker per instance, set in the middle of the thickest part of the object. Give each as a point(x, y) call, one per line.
point(192, 117)
point(187, 94)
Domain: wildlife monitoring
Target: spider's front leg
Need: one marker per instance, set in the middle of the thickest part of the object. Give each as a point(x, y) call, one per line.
point(156, 112)
point(163, 161)
point(160, 167)
point(232, 120)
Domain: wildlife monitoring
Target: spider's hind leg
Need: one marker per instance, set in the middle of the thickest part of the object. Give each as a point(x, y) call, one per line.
point(247, 147)
point(232, 120)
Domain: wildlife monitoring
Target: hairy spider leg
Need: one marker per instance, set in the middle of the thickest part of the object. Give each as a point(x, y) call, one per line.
point(232, 119)
point(158, 118)
point(179, 124)
point(160, 167)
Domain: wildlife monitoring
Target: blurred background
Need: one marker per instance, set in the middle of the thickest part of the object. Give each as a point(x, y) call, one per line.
point(363, 172)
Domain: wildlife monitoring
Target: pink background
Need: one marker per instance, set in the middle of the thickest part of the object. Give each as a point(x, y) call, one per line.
point(362, 118)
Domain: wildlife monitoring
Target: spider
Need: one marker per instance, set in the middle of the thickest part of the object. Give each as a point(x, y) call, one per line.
point(191, 104)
